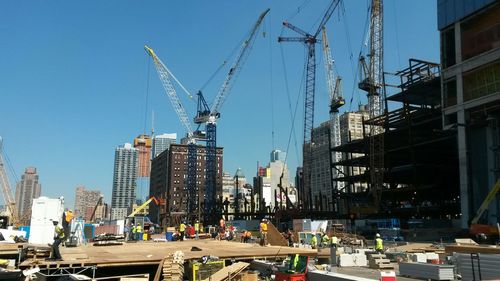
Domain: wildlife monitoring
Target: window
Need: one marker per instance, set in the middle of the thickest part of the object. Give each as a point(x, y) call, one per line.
point(450, 92)
point(448, 47)
point(482, 82)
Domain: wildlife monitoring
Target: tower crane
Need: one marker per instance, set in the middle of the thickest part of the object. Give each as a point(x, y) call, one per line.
point(372, 83)
point(336, 101)
point(310, 41)
point(10, 204)
point(164, 73)
point(209, 116)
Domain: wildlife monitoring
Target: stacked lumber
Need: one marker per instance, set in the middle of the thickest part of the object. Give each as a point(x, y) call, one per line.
point(173, 267)
point(379, 261)
point(228, 272)
point(36, 252)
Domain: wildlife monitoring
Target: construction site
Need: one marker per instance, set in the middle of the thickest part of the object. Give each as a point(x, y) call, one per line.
point(407, 187)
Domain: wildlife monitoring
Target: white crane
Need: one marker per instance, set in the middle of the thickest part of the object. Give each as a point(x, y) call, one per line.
point(336, 101)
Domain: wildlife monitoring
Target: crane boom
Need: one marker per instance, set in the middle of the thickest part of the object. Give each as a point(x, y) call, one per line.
point(164, 73)
point(236, 67)
point(7, 191)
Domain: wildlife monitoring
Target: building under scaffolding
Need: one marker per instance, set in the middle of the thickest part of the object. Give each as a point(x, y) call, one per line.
point(420, 158)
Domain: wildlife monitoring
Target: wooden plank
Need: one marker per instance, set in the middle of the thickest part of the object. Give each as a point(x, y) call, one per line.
point(158, 271)
point(472, 249)
point(274, 237)
point(233, 269)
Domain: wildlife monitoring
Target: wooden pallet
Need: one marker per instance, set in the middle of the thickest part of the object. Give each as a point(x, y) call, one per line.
point(173, 267)
point(379, 261)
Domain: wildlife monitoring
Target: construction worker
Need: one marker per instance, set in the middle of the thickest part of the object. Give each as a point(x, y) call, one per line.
point(263, 232)
point(325, 240)
point(138, 232)
point(379, 245)
point(182, 229)
point(334, 241)
point(293, 263)
point(66, 222)
point(314, 241)
point(196, 229)
point(58, 238)
point(134, 230)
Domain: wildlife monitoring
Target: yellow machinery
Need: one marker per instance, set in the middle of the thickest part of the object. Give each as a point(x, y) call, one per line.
point(476, 228)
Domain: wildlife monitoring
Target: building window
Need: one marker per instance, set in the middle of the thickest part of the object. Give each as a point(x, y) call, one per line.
point(481, 33)
point(448, 47)
point(450, 92)
point(482, 82)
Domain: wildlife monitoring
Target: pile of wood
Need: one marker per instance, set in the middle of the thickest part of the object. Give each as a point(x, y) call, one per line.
point(173, 267)
point(379, 261)
point(37, 252)
point(229, 272)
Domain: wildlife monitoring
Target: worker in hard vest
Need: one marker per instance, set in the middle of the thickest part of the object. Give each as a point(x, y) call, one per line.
point(333, 241)
point(66, 222)
point(379, 245)
point(58, 238)
point(196, 229)
point(182, 229)
point(138, 232)
point(134, 230)
point(314, 241)
point(263, 232)
point(325, 240)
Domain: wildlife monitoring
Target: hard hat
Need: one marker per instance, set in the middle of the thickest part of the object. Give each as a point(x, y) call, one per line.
point(378, 235)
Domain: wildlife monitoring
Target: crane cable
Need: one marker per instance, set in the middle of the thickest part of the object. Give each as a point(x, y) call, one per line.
point(355, 74)
point(271, 81)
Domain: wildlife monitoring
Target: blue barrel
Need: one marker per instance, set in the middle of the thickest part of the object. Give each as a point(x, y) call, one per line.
point(169, 236)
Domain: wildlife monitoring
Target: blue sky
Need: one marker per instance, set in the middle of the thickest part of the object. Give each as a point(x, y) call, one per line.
point(74, 80)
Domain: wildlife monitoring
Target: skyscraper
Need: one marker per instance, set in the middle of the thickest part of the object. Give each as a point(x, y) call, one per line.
point(162, 143)
point(278, 155)
point(143, 145)
point(85, 199)
point(321, 184)
point(26, 190)
point(124, 180)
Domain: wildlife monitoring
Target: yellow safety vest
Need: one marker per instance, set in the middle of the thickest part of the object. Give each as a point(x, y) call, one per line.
point(59, 232)
point(379, 244)
point(138, 229)
point(182, 227)
point(134, 230)
point(314, 241)
point(334, 239)
point(263, 227)
point(196, 227)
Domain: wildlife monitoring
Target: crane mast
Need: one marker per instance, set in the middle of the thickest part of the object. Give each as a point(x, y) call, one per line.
point(165, 74)
point(209, 115)
point(336, 101)
point(310, 41)
point(373, 84)
point(10, 204)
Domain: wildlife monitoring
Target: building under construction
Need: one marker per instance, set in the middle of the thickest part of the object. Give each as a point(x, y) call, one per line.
point(420, 162)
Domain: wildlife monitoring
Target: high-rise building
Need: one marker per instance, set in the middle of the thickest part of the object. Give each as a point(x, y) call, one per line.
point(143, 145)
point(470, 89)
point(124, 181)
point(85, 199)
point(172, 185)
point(351, 128)
point(26, 190)
point(162, 143)
point(321, 183)
point(278, 155)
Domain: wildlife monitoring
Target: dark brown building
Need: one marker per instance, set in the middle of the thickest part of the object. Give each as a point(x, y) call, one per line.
point(169, 181)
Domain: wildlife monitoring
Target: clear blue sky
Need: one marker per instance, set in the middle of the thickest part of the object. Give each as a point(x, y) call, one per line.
point(74, 76)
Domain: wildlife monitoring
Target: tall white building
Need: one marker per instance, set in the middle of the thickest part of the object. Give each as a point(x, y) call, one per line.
point(26, 190)
point(162, 143)
point(321, 184)
point(351, 128)
point(124, 181)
